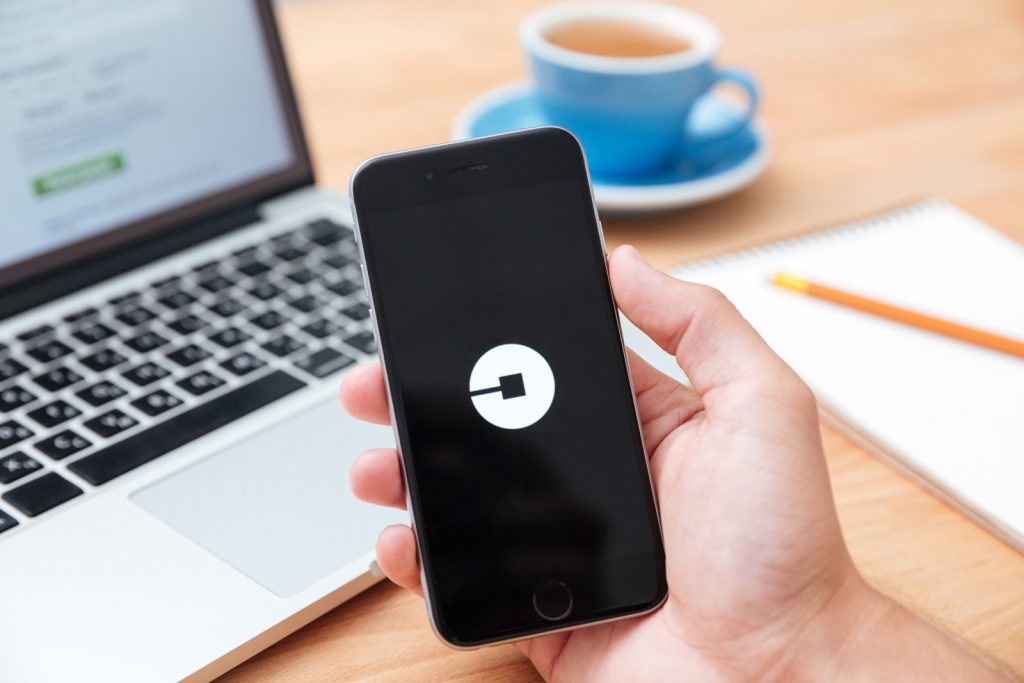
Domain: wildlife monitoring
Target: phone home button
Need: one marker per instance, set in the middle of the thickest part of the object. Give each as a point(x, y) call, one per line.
point(552, 600)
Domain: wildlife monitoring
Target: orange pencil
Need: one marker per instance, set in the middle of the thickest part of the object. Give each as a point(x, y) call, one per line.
point(901, 315)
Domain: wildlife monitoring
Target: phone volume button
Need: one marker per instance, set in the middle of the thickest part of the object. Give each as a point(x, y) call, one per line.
point(366, 281)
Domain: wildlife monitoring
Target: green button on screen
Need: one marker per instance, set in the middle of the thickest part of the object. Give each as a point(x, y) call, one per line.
point(77, 174)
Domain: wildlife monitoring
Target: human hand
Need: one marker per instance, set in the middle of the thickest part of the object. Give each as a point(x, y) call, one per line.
point(760, 581)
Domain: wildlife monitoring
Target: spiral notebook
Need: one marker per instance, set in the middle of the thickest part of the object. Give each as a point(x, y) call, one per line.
point(945, 412)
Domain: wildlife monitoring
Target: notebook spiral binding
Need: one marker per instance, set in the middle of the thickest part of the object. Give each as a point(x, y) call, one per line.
point(871, 221)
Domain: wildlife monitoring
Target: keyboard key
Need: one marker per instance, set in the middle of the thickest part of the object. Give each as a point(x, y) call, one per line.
point(358, 311)
point(145, 374)
point(7, 522)
point(15, 466)
point(206, 267)
point(81, 314)
point(216, 283)
point(302, 277)
point(96, 332)
point(346, 287)
point(245, 253)
point(339, 261)
point(152, 443)
point(176, 300)
point(268, 320)
point(324, 362)
point(230, 337)
point(104, 359)
point(363, 341)
point(54, 413)
point(187, 324)
point(242, 364)
point(145, 342)
point(290, 253)
point(283, 346)
point(136, 316)
point(63, 444)
point(158, 402)
point(14, 397)
point(200, 383)
point(320, 226)
point(10, 368)
point(123, 298)
point(227, 308)
point(321, 328)
point(49, 351)
point(306, 304)
point(265, 291)
point(328, 240)
point(111, 423)
point(98, 394)
point(42, 494)
point(285, 238)
point(57, 379)
point(35, 332)
point(324, 231)
point(11, 433)
point(188, 356)
point(165, 282)
point(254, 268)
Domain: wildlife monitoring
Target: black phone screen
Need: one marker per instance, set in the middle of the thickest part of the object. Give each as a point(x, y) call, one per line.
point(516, 419)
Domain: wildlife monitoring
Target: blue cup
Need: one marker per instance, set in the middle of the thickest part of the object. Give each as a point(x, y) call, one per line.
point(632, 114)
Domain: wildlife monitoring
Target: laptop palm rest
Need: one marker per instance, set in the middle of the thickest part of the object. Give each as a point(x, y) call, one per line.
point(276, 506)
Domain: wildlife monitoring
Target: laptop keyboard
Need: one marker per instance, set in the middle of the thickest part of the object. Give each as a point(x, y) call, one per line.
point(111, 387)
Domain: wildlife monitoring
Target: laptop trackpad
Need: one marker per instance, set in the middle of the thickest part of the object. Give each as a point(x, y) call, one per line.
point(276, 506)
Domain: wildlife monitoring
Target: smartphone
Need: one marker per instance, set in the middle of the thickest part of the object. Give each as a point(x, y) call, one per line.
point(509, 388)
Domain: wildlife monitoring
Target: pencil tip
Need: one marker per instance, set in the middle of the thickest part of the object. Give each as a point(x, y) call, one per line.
point(788, 281)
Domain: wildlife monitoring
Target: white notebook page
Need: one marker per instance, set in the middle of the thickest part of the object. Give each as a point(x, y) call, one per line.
point(949, 412)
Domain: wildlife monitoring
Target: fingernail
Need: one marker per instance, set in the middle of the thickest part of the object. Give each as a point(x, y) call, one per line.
point(632, 252)
point(639, 257)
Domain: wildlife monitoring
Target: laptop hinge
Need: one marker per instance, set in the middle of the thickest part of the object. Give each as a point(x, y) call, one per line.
point(73, 277)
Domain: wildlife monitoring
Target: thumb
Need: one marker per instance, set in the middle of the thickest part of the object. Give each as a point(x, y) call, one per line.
point(713, 344)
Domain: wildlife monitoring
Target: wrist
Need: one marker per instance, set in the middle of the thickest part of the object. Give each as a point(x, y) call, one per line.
point(832, 647)
point(863, 635)
point(828, 634)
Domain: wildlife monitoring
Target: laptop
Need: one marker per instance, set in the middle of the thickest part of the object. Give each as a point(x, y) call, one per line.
point(178, 304)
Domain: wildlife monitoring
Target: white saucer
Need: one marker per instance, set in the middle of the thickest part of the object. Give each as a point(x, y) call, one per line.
point(514, 106)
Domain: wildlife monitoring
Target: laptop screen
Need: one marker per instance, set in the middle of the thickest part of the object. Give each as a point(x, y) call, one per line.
point(117, 113)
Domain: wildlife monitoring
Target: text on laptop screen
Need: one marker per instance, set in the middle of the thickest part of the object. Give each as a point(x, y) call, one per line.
point(113, 111)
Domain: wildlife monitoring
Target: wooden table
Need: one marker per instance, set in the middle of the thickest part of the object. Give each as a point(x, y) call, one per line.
point(870, 102)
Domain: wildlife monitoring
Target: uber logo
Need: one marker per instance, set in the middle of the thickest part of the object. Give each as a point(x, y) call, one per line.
point(512, 386)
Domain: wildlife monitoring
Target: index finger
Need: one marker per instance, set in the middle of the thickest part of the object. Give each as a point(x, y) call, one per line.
point(363, 394)
point(713, 344)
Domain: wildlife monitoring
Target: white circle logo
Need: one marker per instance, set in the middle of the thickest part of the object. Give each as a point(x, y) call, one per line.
point(512, 386)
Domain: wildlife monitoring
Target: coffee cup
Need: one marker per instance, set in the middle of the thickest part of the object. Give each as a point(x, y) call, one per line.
point(624, 78)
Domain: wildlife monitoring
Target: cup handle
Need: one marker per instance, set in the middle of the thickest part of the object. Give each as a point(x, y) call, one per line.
point(748, 84)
